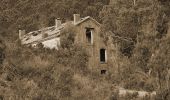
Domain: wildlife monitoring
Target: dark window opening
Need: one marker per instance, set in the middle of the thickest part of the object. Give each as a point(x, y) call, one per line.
point(102, 55)
point(103, 72)
point(89, 35)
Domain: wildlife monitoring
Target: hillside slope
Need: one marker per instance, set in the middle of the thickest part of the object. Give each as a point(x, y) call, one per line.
point(43, 74)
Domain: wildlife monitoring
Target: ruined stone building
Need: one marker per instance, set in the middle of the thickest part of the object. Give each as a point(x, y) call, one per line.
point(87, 33)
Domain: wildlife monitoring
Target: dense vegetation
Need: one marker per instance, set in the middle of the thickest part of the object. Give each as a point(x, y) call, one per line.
point(43, 74)
point(146, 23)
point(35, 14)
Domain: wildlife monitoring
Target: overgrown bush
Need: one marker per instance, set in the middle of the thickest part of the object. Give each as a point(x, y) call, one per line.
point(163, 94)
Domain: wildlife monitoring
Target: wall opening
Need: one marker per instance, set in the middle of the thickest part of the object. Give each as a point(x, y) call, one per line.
point(89, 35)
point(103, 57)
point(103, 72)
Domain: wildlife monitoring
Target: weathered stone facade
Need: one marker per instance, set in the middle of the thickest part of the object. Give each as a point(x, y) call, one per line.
point(87, 33)
point(95, 45)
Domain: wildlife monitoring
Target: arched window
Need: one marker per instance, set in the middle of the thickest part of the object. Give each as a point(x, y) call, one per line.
point(103, 55)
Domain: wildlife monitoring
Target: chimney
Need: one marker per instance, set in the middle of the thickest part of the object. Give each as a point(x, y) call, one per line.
point(76, 18)
point(21, 33)
point(58, 22)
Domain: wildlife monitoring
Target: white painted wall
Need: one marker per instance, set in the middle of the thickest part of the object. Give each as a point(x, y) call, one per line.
point(123, 92)
point(53, 43)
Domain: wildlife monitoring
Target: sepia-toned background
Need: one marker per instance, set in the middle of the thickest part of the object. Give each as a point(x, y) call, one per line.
point(116, 50)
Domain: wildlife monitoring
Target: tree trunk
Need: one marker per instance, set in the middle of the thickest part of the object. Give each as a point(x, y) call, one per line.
point(158, 81)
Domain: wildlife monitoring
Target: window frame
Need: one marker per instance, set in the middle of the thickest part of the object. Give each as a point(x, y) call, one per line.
point(91, 36)
point(105, 55)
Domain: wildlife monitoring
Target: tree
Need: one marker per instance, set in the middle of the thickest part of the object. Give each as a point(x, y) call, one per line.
point(159, 62)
